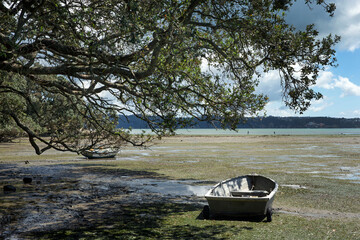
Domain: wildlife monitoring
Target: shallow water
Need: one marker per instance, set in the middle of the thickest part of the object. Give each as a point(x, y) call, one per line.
point(150, 185)
point(169, 187)
point(263, 131)
point(354, 177)
point(293, 186)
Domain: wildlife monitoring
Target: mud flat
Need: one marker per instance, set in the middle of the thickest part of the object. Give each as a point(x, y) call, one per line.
point(158, 192)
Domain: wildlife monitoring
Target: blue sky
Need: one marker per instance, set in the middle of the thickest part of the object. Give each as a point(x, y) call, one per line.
point(341, 85)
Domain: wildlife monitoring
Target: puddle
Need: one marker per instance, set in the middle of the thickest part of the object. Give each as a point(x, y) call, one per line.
point(318, 172)
point(306, 156)
point(312, 164)
point(307, 148)
point(318, 156)
point(189, 161)
point(343, 173)
point(351, 176)
point(149, 185)
point(354, 178)
point(136, 152)
point(294, 186)
point(169, 187)
point(135, 158)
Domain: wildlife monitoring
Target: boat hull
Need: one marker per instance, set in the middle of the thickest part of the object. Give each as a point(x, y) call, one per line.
point(244, 196)
point(100, 153)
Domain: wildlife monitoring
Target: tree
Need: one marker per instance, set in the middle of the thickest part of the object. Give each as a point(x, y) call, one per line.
point(76, 65)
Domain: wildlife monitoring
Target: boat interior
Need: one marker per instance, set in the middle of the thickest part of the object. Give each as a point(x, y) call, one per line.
point(246, 186)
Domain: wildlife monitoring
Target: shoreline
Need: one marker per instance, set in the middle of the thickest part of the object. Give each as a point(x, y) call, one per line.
point(261, 131)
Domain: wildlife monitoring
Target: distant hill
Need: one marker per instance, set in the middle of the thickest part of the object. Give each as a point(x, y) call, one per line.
point(264, 122)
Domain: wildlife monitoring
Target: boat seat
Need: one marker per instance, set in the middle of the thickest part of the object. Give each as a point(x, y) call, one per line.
point(247, 193)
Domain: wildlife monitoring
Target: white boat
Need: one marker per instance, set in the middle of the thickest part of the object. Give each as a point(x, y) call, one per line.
point(243, 196)
point(100, 153)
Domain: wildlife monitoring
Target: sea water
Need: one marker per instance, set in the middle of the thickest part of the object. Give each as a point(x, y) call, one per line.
point(262, 131)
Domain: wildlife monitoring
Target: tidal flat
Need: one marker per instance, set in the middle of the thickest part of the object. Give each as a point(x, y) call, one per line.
point(157, 192)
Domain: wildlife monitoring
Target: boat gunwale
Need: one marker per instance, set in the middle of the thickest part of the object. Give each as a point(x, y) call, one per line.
point(264, 198)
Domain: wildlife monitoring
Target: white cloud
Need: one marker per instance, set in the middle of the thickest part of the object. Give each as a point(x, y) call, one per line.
point(320, 105)
point(347, 87)
point(350, 114)
point(270, 85)
point(345, 22)
point(356, 113)
point(328, 80)
point(325, 80)
point(277, 108)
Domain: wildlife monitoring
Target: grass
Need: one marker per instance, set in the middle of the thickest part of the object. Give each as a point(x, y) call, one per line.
point(182, 222)
point(326, 207)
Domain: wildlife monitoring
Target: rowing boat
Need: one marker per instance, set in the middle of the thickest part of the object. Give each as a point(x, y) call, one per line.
point(243, 196)
point(100, 153)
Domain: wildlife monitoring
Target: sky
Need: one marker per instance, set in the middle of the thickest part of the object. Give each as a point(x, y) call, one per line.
point(339, 85)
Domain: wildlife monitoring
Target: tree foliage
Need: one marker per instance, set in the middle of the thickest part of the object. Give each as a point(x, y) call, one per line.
point(70, 67)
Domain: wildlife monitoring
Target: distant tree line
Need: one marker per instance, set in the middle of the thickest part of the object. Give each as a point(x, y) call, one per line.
point(259, 122)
